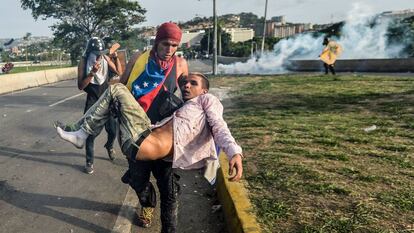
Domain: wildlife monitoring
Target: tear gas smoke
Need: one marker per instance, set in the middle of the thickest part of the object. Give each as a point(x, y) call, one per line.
point(362, 36)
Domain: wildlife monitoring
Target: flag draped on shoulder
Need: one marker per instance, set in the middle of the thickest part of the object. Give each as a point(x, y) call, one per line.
point(146, 79)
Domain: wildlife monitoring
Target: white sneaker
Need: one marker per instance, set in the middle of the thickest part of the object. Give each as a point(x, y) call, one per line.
point(89, 168)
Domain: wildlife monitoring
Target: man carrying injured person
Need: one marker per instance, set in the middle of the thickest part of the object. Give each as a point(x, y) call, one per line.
point(189, 135)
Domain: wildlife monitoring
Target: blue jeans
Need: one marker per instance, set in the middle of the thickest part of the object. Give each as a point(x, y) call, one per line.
point(110, 128)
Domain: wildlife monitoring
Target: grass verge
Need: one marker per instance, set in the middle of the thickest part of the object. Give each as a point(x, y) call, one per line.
point(16, 70)
point(314, 163)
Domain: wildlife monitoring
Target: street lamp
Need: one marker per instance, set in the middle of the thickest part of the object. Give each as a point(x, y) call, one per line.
point(208, 41)
point(264, 27)
point(215, 39)
point(26, 39)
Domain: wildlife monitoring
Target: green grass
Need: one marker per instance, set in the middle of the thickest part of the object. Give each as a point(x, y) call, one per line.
point(16, 70)
point(310, 166)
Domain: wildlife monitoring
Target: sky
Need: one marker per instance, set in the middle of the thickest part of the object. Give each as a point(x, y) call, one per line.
point(16, 22)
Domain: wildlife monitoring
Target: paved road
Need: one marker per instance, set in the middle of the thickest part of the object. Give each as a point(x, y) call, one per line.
point(42, 184)
point(203, 66)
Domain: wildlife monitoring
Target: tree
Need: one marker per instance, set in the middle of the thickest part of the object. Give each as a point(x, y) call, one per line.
point(222, 37)
point(135, 42)
point(78, 20)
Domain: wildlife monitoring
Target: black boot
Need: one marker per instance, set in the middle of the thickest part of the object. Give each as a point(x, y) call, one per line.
point(126, 177)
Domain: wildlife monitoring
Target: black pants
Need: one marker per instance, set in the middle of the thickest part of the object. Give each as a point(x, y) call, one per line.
point(110, 128)
point(329, 67)
point(168, 186)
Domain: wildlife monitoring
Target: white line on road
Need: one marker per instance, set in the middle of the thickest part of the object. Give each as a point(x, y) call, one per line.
point(69, 98)
point(123, 223)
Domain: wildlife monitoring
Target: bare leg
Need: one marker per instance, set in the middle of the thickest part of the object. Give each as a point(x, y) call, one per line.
point(158, 145)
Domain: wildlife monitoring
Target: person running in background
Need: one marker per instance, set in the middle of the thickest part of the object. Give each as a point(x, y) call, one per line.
point(330, 53)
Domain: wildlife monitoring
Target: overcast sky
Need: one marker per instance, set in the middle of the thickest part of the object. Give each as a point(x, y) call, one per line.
point(15, 22)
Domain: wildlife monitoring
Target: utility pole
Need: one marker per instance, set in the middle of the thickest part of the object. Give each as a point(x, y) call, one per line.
point(208, 42)
point(214, 39)
point(26, 39)
point(27, 65)
point(219, 42)
point(264, 27)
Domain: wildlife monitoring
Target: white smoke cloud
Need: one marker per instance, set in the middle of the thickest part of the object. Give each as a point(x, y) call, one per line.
point(359, 39)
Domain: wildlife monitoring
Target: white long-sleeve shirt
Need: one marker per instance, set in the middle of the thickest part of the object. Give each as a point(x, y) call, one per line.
point(198, 126)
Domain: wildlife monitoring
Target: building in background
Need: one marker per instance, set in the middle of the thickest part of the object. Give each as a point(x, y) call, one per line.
point(192, 39)
point(150, 42)
point(397, 14)
point(240, 34)
point(278, 20)
point(278, 27)
point(15, 50)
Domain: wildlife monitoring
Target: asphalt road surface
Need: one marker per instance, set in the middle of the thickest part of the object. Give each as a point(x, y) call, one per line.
point(42, 184)
point(203, 66)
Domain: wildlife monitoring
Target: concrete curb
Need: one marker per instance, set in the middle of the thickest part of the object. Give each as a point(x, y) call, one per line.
point(237, 208)
point(20, 81)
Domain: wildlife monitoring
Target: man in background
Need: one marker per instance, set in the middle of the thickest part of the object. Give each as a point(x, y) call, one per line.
point(94, 73)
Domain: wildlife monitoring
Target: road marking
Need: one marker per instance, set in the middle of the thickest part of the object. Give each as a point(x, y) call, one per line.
point(69, 98)
point(123, 223)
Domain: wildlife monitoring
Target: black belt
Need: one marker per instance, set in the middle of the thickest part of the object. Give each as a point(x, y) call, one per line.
point(142, 137)
point(138, 143)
